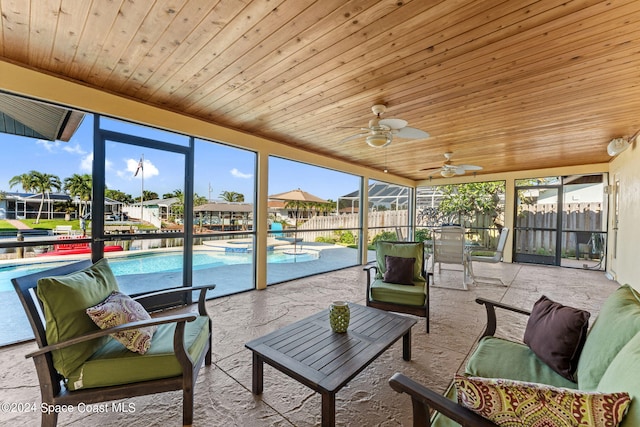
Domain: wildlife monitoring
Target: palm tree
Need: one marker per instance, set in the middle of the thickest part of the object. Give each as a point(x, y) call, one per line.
point(232, 196)
point(150, 195)
point(37, 182)
point(176, 193)
point(80, 186)
point(119, 196)
point(45, 183)
point(23, 180)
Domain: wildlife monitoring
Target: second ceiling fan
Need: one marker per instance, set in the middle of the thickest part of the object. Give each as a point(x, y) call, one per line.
point(380, 132)
point(448, 169)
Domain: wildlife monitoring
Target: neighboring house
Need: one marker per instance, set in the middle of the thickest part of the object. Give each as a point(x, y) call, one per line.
point(384, 196)
point(219, 215)
point(26, 205)
point(154, 211)
point(581, 193)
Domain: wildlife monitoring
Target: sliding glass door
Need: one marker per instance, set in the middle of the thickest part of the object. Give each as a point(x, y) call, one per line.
point(536, 225)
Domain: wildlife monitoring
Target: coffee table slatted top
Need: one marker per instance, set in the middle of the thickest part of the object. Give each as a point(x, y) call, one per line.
point(309, 351)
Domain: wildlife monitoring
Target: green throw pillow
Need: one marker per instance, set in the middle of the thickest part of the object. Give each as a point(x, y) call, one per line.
point(623, 374)
point(401, 250)
point(617, 323)
point(64, 300)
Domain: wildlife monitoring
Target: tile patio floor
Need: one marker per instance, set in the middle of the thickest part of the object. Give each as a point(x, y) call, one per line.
point(223, 396)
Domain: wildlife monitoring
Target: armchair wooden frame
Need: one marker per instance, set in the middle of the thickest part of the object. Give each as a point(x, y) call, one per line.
point(416, 310)
point(52, 388)
point(425, 400)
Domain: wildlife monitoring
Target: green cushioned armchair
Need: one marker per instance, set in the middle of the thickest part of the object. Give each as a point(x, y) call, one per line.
point(77, 362)
point(406, 298)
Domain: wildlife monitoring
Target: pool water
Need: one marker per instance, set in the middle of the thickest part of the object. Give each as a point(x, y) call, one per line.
point(155, 263)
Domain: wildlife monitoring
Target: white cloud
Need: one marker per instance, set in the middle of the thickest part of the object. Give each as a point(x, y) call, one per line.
point(149, 168)
point(236, 173)
point(76, 149)
point(86, 163)
point(50, 146)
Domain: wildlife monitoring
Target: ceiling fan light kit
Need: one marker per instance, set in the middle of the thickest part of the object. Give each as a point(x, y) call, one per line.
point(447, 170)
point(380, 132)
point(378, 140)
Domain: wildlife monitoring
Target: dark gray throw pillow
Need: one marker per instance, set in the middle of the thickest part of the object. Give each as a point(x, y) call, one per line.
point(556, 334)
point(398, 270)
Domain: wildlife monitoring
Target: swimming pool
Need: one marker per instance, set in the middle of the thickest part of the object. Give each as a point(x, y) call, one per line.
point(156, 263)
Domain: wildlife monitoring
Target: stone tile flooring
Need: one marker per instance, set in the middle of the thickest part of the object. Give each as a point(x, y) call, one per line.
point(223, 396)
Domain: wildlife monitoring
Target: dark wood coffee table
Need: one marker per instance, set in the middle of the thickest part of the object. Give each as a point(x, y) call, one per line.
point(310, 352)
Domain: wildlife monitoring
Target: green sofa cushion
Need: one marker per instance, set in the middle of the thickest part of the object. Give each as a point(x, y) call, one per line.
point(623, 375)
point(399, 294)
point(500, 358)
point(403, 250)
point(617, 323)
point(113, 364)
point(64, 300)
point(439, 420)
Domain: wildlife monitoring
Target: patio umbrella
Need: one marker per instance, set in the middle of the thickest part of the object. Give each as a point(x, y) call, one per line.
point(297, 195)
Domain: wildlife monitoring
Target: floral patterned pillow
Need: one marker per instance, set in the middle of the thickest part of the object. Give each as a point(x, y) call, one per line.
point(118, 309)
point(512, 403)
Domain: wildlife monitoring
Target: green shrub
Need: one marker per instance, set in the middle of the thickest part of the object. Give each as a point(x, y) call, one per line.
point(423, 234)
point(346, 237)
point(385, 236)
point(322, 239)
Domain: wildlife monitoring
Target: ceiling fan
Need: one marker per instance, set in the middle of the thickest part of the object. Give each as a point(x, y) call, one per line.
point(448, 170)
point(380, 132)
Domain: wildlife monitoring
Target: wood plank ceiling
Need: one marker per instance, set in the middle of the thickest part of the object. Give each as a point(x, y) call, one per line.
point(507, 85)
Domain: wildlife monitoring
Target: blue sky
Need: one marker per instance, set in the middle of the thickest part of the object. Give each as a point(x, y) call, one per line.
point(218, 167)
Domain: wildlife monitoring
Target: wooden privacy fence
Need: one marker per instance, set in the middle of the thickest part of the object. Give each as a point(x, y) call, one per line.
point(583, 217)
point(575, 217)
point(388, 220)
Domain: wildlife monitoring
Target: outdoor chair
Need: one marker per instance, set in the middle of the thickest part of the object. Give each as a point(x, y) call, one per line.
point(493, 259)
point(78, 362)
point(398, 281)
point(449, 248)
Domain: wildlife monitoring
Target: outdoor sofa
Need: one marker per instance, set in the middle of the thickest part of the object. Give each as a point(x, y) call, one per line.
point(606, 361)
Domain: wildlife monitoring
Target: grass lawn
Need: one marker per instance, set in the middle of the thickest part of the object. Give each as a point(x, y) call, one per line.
point(50, 224)
point(5, 226)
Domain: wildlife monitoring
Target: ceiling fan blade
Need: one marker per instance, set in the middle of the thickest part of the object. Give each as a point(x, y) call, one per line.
point(356, 136)
point(459, 170)
point(470, 167)
point(393, 123)
point(411, 133)
point(431, 169)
